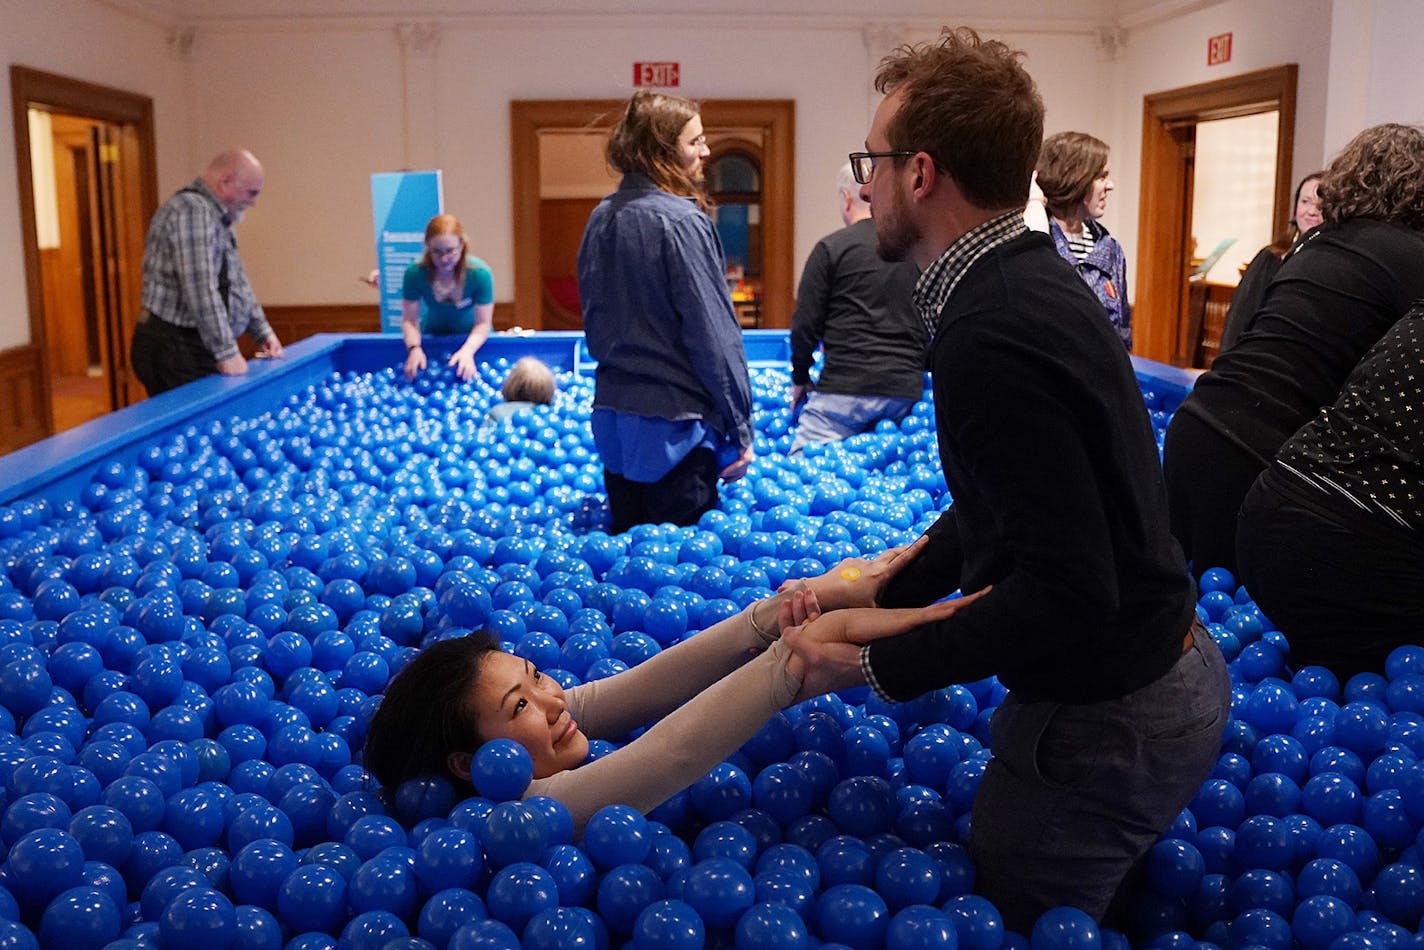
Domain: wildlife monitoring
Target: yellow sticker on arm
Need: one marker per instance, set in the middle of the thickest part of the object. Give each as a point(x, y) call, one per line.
point(851, 573)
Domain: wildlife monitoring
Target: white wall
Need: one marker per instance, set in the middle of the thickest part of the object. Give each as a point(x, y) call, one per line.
point(1374, 67)
point(324, 106)
point(82, 40)
point(324, 102)
point(1164, 54)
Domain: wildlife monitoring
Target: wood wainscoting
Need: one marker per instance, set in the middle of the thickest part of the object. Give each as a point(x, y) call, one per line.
point(297, 322)
point(22, 398)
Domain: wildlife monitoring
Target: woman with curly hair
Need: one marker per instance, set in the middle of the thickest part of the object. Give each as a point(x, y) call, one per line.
point(1348, 282)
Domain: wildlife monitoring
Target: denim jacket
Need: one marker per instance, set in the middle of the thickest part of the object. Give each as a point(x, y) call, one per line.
point(1104, 270)
point(657, 315)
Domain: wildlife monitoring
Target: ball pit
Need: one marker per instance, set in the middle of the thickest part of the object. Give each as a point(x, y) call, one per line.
point(193, 636)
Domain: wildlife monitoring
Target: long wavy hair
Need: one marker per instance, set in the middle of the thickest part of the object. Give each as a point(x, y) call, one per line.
point(645, 141)
point(1379, 175)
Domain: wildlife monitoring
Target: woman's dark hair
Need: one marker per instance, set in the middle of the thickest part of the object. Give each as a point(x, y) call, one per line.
point(645, 141)
point(1286, 239)
point(425, 715)
point(1379, 175)
point(1068, 164)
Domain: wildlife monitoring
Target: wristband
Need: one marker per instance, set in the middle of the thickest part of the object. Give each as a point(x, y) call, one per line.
point(413, 346)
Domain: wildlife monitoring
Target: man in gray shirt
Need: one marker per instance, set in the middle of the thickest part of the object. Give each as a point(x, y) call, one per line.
point(196, 297)
point(857, 308)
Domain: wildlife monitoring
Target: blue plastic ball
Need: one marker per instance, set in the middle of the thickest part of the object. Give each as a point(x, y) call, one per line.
point(616, 834)
point(518, 892)
point(669, 924)
point(312, 897)
point(198, 919)
point(501, 770)
point(853, 914)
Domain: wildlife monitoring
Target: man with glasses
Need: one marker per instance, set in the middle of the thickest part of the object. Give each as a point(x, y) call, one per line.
point(1117, 697)
point(857, 308)
point(196, 297)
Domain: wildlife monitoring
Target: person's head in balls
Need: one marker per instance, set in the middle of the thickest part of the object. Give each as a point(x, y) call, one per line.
point(457, 695)
point(530, 380)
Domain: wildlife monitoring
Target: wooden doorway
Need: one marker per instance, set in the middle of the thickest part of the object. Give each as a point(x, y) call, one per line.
point(1164, 326)
point(775, 119)
point(86, 194)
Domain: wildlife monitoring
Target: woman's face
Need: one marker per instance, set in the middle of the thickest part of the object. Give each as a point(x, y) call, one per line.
point(445, 252)
point(1096, 202)
point(692, 147)
point(1307, 206)
point(515, 701)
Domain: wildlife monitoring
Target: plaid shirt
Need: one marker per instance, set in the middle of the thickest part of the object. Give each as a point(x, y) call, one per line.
point(189, 240)
point(944, 274)
point(933, 291)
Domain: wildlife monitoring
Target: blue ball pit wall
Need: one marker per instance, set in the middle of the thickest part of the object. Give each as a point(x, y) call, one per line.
point(183, 693)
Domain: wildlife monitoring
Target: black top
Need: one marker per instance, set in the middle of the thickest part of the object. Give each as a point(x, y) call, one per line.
point(1059, 503)
point(1366, 452)
point(858, 308)
point(1336, 294)
point(1247, 297)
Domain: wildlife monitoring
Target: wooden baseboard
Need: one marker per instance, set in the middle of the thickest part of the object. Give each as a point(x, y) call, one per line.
point(23, 401)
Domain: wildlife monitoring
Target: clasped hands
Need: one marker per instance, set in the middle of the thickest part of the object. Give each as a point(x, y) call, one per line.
point(829, 618)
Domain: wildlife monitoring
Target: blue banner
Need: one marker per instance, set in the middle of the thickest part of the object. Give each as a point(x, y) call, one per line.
point(402, 203)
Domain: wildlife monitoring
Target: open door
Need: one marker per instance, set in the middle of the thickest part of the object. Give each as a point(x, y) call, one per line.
point(85, 156)
point(1163, 316)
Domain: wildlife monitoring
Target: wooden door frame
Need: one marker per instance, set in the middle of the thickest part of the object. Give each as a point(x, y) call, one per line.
point(33, 87)
point(1169, 122)
point(775, 117)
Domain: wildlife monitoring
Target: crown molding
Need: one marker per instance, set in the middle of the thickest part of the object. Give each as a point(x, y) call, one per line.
point(378, 16)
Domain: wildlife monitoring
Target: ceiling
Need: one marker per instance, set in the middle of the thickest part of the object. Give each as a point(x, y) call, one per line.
point(1079, 13)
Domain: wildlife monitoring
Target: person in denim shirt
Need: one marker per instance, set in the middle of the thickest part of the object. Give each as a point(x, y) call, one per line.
point(1073, 174)
point(672, 398)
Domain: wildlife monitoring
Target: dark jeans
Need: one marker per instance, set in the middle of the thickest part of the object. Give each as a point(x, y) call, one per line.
point(1076, 795)
point(1207, 478)
point(165, 357)
point(680, 496)
point(1345, 588)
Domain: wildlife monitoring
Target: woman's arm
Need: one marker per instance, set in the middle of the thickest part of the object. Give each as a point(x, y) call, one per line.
point(464, 358)
point(410, 332)
point(683, 746)
point(612, 707)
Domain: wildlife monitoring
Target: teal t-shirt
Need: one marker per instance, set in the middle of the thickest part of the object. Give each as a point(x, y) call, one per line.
point(443, 316)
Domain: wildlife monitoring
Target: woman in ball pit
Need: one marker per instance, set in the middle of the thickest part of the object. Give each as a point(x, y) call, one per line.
point(705, 696)
point(448, 290)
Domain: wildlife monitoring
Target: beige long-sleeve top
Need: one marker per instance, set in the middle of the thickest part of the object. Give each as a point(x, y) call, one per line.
point(707, 695)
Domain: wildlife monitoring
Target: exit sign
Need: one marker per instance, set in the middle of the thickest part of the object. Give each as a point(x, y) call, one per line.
point(1218, 49)
point(655, 74)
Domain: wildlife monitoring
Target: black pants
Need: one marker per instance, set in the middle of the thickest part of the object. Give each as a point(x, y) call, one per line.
point(165, 356)
point(1207, 477)
point(680, 496)
point(1345, 588)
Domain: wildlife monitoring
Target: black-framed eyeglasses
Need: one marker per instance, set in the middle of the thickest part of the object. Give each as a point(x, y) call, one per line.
point(862, 164)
